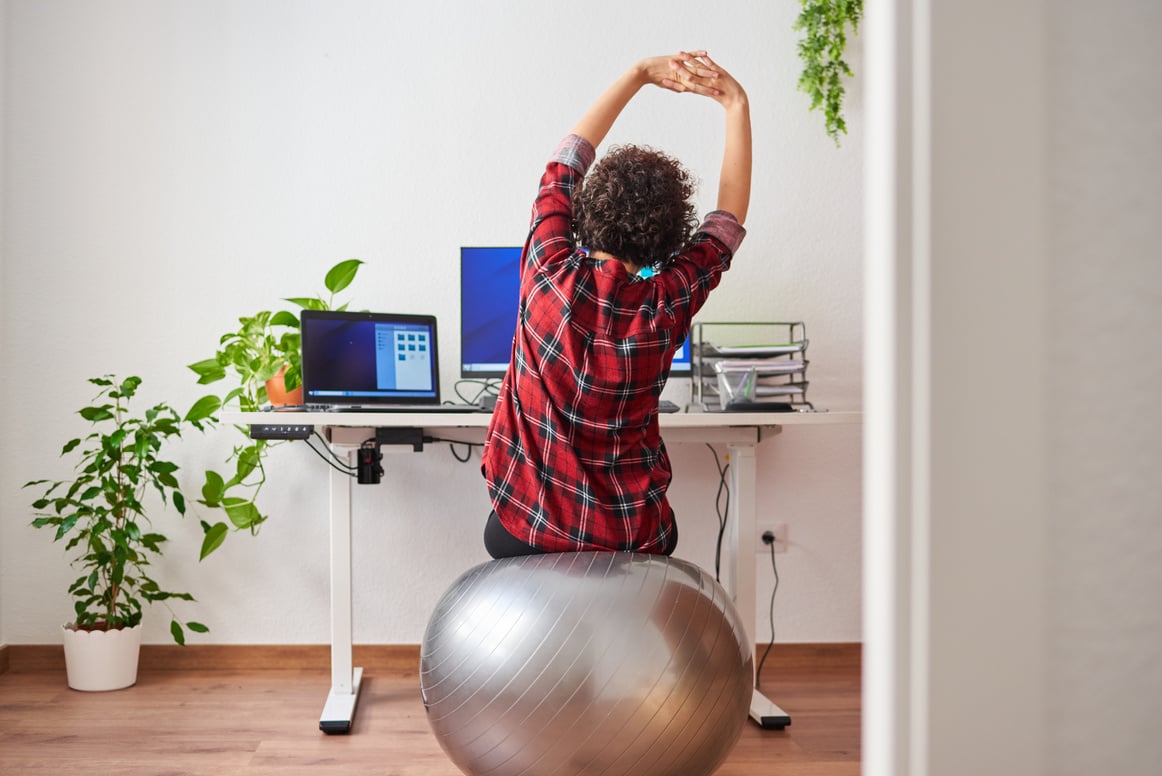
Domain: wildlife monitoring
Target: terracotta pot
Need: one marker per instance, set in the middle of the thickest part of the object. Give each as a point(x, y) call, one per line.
point(277, 394)
point(99, 660)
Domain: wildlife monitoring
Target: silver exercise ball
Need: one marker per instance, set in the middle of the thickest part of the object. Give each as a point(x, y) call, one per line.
point(604, 663)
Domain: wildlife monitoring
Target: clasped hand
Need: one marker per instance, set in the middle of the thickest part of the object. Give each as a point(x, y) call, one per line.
point(693, 71)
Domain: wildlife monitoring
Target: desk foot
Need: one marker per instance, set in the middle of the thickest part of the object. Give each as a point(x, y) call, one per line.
point(766, 713)
point(339, 709)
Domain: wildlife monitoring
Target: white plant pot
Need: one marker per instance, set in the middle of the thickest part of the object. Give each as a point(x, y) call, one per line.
point(96, 661)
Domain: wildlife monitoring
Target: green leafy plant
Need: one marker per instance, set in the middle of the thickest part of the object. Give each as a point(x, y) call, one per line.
point(266, 344)
point(824, 26)
point(102, 510)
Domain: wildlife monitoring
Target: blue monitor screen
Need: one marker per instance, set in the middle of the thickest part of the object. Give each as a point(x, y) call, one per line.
point(489, 296)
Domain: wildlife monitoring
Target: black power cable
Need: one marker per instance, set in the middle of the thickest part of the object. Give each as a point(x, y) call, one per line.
point(769, 540)
point(333, 461)
point(723, 509)
point(485, 387)
point(452, 443)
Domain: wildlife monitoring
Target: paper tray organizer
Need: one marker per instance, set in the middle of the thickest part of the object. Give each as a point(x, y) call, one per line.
point(748, 363)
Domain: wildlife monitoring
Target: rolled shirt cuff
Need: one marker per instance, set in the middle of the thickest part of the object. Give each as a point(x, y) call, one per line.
point(576, 152)
point(724, 227)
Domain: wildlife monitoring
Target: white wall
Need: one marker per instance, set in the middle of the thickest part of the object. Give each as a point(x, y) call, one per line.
point(172, 166)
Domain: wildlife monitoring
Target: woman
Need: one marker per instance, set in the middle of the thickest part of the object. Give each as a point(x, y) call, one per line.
point(574, 459)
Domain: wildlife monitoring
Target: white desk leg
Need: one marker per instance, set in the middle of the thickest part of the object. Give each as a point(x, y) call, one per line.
point(742, 530)
point(339, 709)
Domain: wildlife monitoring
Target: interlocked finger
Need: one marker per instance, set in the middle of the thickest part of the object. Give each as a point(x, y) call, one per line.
point(692, 76)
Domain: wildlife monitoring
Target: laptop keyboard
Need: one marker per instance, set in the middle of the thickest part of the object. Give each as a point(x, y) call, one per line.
point(377, 408)
point(407, 408)
point(488, 404)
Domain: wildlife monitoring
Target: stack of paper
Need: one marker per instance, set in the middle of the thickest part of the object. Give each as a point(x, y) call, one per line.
point(730, 375)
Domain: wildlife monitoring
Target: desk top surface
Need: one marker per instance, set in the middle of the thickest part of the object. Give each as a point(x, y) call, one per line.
point(693, 420)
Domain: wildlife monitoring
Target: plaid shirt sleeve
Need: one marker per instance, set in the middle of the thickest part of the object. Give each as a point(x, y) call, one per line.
point(551, 233)
point(573, 458)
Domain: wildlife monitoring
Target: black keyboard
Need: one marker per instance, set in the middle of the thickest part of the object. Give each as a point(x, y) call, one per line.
point(748, 405)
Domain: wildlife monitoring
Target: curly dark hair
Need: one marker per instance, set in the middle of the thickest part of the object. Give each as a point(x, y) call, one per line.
point(635, 205)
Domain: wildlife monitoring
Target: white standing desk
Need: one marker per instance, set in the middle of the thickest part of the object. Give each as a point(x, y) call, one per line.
point(741, 433)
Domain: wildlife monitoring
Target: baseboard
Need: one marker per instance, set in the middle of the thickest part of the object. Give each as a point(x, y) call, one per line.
point(372, 657)
point(230, 657)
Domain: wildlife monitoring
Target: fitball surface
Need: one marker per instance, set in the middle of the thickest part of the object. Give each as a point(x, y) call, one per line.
point(586, 663)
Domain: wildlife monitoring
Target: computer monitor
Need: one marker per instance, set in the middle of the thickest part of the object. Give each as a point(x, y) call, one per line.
point(489, 296)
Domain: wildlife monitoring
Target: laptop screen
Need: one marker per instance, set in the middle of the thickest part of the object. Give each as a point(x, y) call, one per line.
point(369, 358)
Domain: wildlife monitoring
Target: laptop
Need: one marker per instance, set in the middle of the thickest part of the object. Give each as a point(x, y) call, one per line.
point(371, 362)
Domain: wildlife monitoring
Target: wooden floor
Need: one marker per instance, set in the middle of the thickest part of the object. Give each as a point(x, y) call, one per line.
point(253, 721)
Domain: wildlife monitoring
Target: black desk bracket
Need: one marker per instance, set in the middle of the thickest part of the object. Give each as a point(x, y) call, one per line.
point(401, 436)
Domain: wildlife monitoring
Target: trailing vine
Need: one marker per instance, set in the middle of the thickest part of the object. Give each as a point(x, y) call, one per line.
point(824, 26)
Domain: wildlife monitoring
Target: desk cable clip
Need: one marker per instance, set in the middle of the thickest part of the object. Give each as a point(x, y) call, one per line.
point(369, 466)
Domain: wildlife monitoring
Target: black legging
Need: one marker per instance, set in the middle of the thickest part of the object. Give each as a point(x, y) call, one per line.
point(501, 544)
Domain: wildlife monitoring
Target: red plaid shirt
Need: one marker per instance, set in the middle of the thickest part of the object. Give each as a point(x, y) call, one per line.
point(574, 459)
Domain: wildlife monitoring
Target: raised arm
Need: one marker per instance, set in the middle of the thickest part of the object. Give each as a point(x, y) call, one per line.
point(681, 72)
point(692, 72)
point(734, 181)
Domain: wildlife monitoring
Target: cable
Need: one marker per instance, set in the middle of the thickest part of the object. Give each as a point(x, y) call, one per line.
point(771, 611)
point(333, 454)
point(344, 469)
point(452, 446)
point(467, 455)
point(487, 386)
point(722, 509)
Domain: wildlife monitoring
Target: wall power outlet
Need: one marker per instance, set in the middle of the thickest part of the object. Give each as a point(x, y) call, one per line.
point(782, 539)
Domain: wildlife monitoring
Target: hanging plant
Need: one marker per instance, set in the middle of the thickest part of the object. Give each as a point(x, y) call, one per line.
point(824, 26)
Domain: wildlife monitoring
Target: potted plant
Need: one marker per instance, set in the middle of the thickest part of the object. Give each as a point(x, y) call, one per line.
point(102, 511)
point(263, 356)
